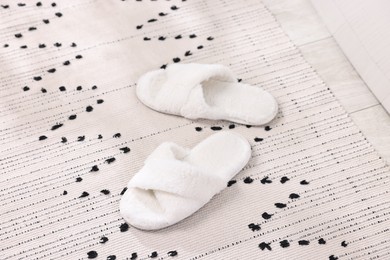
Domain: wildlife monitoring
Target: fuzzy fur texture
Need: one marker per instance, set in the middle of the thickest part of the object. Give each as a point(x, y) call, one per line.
point(175, 182)
point(208, 91)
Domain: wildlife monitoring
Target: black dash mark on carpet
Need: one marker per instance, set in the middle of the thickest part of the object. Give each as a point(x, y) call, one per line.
point(267, 128)
point(210, 38)
point(284, 179)
point(84, 194)
point(57, 44)
point(79, 179)
point(265, 215)
point(124, 227)
point(239, 80)
point(164, 66)
point(176, 60)
point(105, 192)
point(43, 90)
point(78, 57)
point(174, 7)
point(117, 135)
point(58, 14)
point(230, 183)
point(280, 205)
point(248, 180)
point(284, 243)
point(5, 6)
point(161, 38)
point(294, 196)
point(103, 240)
point(216, 128)
point(198, 129)
point(254, 227)
point(192, 36)
point(177, 37)
point(200, 47)
point(188, 53)
point(66, 63)
point(258, 139)
point(153, 254)
point(147, 39)
point(42, 137)
point(38, 4)
point(139, 27)
point(21, 4)
point(72, 117)
point(94, 87)
point(172, 253)
point(344, 243)
point(303, 242)
point(111, 257)
point(152, 20)
point(100, 136)
point(248, 126)
point(92, 254)
point(123, 191)
point(321, 241)
point(56, 126)
point(41, 46)
point(51, 70)
point(63, 140)
point(32, 28)
point(265, 180)
point(65, 192)
point(89, 109)
point(94, 168)
point(79, 88)
point(162, 14)
point(133, 256)
point(264, 245)
point(332, 257)
point(304, 182)
point(110, 160)
point(81, 138)
point(62, 88)
point(46, 21)
point(232, 126)
point(23, 47)
point(25, 88)
point(18, 35)
point(125, 149)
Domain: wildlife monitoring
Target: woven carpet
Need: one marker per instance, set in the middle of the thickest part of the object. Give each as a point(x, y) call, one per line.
point(73, 133)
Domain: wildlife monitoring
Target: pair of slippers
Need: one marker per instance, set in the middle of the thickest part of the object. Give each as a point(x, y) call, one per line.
point(175, 181)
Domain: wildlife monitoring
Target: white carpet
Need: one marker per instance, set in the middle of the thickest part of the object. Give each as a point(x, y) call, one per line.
point(341, 209)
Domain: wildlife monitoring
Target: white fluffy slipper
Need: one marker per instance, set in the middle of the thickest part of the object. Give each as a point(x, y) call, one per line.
point(209, 91)
point(175, 181)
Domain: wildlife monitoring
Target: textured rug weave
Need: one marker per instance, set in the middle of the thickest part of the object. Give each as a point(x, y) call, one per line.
point(73, 133)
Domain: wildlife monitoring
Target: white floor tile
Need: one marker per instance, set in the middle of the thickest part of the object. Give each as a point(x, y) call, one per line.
point(375, 125)
point(305, 28)
point(299, 20)
point(334, 68)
